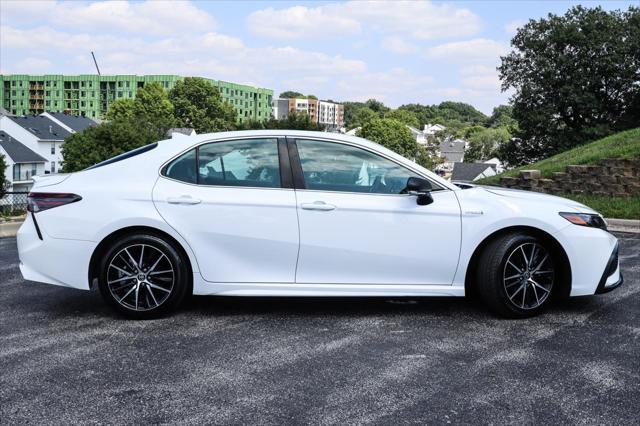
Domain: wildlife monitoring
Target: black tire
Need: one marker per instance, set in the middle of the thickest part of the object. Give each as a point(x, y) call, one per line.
point(499, 293)
point(160, 292)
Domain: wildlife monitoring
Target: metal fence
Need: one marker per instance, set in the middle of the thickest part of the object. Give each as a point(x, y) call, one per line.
point(13, 203)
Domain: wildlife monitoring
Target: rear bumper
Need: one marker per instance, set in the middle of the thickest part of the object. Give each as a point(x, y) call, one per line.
point(53, 260)
point(612, 276)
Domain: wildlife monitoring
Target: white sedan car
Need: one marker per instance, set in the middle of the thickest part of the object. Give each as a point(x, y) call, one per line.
point(293, 213)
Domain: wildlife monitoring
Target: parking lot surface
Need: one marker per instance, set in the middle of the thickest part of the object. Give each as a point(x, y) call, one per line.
point(66, 358)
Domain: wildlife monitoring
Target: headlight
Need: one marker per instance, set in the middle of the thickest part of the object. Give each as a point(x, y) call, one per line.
point(585, 219)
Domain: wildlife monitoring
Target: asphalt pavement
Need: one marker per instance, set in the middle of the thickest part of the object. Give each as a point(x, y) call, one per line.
point(65, 358)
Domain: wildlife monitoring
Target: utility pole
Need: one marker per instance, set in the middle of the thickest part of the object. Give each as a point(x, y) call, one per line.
point(95, 62)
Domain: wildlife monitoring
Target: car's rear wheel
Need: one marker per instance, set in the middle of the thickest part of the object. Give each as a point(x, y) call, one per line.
point(143, 276)
point(516, 275)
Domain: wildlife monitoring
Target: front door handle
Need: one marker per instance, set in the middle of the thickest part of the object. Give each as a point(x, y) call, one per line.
point(183, 199)
point(318, 205)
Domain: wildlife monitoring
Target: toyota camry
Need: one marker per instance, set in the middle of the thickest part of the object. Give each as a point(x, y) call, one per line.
point(293, 213)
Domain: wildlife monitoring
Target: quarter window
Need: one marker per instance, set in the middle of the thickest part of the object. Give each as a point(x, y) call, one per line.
point(330, 166)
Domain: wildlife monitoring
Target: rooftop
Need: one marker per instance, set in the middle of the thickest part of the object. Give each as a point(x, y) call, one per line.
point(17, 151)
point(467, 172)
point(42, 127)
point(74, 122)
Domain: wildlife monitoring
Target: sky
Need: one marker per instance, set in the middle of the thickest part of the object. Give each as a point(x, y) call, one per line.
point(397, 52)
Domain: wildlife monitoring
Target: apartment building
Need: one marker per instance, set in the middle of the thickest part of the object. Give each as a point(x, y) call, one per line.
point(90, 95)
point(329, 114)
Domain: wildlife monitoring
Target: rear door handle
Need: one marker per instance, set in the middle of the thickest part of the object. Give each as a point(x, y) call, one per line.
point(318, 205)
point(183, 199)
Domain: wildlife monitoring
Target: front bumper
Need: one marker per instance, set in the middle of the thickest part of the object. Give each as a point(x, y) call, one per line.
point(612, 276)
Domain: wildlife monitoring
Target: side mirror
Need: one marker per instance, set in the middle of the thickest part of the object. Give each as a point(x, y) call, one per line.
point(421, 188)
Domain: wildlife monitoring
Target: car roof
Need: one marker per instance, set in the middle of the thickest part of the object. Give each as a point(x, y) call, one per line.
point(185, 142)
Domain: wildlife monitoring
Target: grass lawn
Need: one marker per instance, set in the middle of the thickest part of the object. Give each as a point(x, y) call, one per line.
point(612, 208)
point(620, 145)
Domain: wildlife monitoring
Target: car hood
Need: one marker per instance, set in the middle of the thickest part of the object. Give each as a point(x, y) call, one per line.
point(539, 197)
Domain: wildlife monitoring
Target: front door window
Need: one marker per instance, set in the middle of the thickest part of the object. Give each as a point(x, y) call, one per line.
point(329, 166)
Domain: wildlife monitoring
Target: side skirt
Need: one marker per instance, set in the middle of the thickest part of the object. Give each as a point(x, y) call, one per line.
point(201, 287)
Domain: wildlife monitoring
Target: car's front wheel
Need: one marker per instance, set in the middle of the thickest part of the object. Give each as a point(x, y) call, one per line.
point(143, 276)
point(516, 275)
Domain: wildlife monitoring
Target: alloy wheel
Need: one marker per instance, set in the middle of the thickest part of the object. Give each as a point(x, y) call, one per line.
point(140, 277)
point(528, 276)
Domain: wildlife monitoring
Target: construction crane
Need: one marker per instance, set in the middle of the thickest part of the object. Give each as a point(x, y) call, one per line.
point(95, 62)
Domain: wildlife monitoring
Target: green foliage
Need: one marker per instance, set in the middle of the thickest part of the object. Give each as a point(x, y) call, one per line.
point(99, 143)
point(376, 106)
point(3, 181)
point(354, 117)
point(460, 111)
point(291, 94)
point(120, 109)
point(502, 116)
point(361, 117)
point(153, 110)
point(403, 116)
point(610, 207)
point(486, 143)
point(395, 136)
point(295, 121)
point(198, 104)
point(620, 145)
point(453, 115)
point(575, 79)
point(312, 97)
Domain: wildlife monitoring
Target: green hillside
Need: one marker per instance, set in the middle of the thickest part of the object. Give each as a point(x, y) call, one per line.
point(620, 145)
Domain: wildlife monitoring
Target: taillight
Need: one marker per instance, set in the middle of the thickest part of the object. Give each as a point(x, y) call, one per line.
point(39, 201)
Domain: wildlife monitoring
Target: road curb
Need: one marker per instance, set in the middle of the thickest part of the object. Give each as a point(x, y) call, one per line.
point(10, 228)
point(624, 225)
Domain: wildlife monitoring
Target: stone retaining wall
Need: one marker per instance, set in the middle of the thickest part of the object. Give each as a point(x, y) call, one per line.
point(609, 177)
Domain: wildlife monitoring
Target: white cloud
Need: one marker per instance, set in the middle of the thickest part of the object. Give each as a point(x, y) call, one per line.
point(148, 18)
point(420, 19)
point(482, 82)
point(300, 21)
point(35, 63)
point(476, 50)
point(395, 44)
point(210, 54)
point(512, 27)
point(384, 86)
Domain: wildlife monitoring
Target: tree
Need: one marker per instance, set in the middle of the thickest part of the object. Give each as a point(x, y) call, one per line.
point(120, 109)
point(361, 117)
point(575, 79)
point(198, 104)
point(395, 136)
point(153, 110)
point(3, 182)
point(424, 113)
point(486, 144)
point(502, 116)
point(460, 111)
point(403, 116)
point(376, 106)
point(294, 121)
point(150, 109)
point(291, 94)
point(99, 143)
